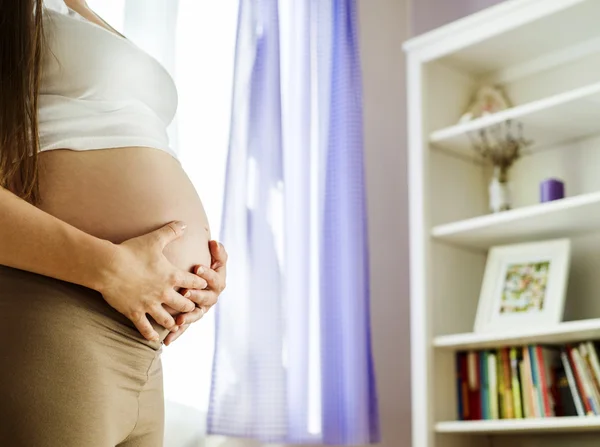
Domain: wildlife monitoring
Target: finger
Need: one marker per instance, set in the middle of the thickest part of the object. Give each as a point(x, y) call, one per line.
point(191, 317)
point(140, 320)
point(162, 317)
point(167, 234)
point(187, 280)
point(215, 280)
point(174, 335)
point(179, 302)
point(218, 254)
point(210, 275)
point(204, 298)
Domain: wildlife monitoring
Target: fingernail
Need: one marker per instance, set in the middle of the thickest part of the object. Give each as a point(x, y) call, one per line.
point(154, 337)
point(200, 270)
point(182, 225)
point(188, 294)
point(175, 328)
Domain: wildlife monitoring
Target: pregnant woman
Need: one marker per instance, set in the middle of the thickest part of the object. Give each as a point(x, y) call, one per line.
point(97, 268)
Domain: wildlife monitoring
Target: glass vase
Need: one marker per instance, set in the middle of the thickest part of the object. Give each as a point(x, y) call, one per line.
point(499, 190)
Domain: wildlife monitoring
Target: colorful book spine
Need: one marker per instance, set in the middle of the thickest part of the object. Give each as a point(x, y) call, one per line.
point(531, 390)
point(484, 386)
point(544, 382)
point(474, 385)
point(582, 385)
point(516, 386)
point(493, 386)
point(595, 364)
point(525, 390)
point(507, 398)
point(528, 382)
point(590, 376)
point(537, 386)
point(581, 411)
point(502, 413)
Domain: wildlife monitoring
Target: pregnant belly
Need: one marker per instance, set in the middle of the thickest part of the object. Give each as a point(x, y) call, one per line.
point(118, 194)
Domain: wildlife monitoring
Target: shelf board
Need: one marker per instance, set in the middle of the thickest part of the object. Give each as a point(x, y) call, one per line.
point(559, 218)
point(557, 119)
point(556, 424)
point(567, 332)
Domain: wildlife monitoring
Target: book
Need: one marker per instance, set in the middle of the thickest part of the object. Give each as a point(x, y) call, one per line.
point(533, 381)
point(485, 408)
point(492, 386)
point(583, 385)
point(532, 398)
point(527, 413)
point(567, 406)
point(474, 385)
point(545, 361)
point(573, 386)
point(507, 397)
point(459, 386)
point(516, 384)
point(595, 364)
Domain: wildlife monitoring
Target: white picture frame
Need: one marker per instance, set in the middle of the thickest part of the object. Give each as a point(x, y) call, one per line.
point(508, 302)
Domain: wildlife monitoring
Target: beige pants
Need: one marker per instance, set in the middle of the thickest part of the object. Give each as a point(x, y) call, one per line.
point(75, 372)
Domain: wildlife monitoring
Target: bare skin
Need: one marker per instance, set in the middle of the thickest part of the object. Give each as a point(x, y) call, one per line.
point(120, 194)
point(110, 220)
point(124, 208)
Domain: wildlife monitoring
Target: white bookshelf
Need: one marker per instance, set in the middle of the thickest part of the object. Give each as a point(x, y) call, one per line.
point(568, 332)
point(555, 119)
point(569, 216)
point(546, 54)
point(538, 425)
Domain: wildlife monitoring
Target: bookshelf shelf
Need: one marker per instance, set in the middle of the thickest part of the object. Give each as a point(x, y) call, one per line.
point(560, 218)
point(567, 332)
point(556, 119)
point(508, 426)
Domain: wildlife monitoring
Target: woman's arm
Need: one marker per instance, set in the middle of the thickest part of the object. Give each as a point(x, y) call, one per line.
point(33, 240)
point(134, 277)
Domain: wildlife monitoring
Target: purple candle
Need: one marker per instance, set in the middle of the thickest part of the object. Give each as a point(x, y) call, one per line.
point(551, 189)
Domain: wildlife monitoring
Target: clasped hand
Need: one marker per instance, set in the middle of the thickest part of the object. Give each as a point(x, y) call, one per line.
point(215, 277)
point(140, 282)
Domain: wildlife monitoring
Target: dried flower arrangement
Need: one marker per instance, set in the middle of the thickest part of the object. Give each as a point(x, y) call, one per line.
point(502, 145)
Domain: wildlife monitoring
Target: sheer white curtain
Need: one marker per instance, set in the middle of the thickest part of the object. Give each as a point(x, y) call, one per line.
point(195, 41)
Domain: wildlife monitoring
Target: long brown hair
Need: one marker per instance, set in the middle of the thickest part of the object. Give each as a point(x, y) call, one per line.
point(21, 46)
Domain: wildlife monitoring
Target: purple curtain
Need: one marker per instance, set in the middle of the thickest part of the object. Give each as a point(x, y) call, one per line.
point(293, 358)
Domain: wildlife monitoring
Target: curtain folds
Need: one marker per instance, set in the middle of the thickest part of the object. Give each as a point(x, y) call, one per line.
point(293, 358)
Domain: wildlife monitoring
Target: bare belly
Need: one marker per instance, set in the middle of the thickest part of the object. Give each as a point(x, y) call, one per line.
point(118, 194)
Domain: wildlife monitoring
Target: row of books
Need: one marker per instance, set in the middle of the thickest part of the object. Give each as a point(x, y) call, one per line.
point(529, 382)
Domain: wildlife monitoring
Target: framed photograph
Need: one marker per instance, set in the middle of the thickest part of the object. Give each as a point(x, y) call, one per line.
point(524, 285)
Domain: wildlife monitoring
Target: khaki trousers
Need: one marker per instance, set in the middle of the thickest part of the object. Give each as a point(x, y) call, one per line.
point(75, 372)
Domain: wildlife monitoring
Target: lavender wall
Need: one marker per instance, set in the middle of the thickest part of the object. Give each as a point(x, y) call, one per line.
point(384, 25)
point(429, 14)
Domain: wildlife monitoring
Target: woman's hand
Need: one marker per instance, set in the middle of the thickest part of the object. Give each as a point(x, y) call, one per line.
point(216, 277)
point(140, 280)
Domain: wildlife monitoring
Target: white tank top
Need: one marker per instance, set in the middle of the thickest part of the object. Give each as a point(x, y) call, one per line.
point(98, 89)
